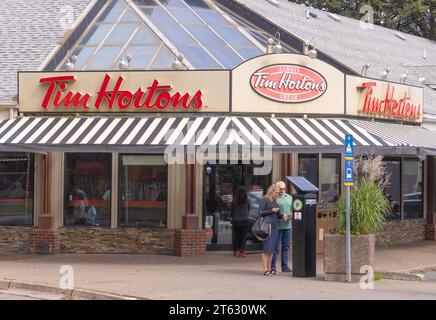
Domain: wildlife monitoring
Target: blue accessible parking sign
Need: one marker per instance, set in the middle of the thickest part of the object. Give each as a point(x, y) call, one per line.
point(349, 173)
point(349, 160)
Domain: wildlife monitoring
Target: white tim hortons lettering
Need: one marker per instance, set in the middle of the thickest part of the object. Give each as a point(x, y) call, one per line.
point(181, 310)
point(263, 82)
point(285, 80)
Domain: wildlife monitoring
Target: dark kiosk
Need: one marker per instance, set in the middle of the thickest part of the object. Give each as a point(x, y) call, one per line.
point(303, 227)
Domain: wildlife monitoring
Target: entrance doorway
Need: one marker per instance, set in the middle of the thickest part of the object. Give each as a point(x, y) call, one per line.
point(220, 184)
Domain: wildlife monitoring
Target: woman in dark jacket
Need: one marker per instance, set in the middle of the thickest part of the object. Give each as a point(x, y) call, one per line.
point(269, 208)
point(241, 223)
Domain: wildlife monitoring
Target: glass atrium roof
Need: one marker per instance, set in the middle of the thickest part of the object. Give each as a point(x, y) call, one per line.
point(154, 32)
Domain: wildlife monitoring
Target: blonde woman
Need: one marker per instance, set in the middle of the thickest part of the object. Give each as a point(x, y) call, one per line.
point(269, 208)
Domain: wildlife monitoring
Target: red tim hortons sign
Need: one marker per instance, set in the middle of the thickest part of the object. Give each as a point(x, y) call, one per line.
point(59, 95)
point(288, 83)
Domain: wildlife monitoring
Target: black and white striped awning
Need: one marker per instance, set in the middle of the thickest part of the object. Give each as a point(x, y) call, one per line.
point(153, 134)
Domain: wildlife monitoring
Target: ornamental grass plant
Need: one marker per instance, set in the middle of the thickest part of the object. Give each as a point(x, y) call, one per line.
point(368, 203)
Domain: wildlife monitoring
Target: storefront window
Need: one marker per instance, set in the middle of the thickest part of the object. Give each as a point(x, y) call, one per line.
point(143, 183)
point(393, 190)
point(16, 188)
point(308, 167)
point(412, 188)
point(330, 180)
point(88, 189)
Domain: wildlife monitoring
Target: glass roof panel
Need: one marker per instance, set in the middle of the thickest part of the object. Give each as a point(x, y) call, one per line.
point(175, 34)
point(197, 4)
point(212, 17)
point(196, 30)
point(113, 11)
point(173, 3)
point(82, 53)
point(130, 16)
point(205, 35)
point(226, 56)
point(120, 34)
point(249, 53)
point(145, 36)
point(164, 59)
point(233, 37)
point(198, 57)
point(95, 36)
point(142, 56)
point(104, 58)
point(145, 2)
point(157, 14)
point(184, 15)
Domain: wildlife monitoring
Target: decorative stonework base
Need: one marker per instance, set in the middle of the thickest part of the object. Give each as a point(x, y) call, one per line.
point(44, 241)
point(362, 254)
point(189, 242)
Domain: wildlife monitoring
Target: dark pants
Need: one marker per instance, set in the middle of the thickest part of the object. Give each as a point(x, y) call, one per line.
point(240, 236)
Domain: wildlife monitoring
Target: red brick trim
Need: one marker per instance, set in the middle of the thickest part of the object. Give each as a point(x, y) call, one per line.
point(189, 242)
point(44, 241)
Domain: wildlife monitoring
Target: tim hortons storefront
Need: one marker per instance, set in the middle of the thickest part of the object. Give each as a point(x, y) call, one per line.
point(148, 161)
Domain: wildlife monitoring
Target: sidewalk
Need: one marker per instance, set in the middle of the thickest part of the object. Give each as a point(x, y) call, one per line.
point(218, 275)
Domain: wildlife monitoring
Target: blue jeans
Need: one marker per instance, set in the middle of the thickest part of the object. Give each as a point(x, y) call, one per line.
point(285, 239)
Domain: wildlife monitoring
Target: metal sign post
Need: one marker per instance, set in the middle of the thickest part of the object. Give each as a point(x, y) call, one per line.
point(348, 182)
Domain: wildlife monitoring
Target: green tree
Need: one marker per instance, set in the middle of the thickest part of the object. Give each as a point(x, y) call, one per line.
point(417, 17)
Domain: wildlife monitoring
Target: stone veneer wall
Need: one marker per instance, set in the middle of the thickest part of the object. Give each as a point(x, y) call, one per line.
point(121, 240)
point(401, 232)
point(15, 239)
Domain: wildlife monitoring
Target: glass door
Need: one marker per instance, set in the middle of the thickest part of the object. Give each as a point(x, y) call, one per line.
point(220, 184)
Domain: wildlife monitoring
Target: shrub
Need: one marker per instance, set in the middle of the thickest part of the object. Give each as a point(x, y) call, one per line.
point(368, 204)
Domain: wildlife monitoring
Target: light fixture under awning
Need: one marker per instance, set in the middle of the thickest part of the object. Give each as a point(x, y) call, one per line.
point(151, 134)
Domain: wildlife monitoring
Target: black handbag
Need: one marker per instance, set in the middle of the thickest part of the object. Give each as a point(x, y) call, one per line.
point(261, 229)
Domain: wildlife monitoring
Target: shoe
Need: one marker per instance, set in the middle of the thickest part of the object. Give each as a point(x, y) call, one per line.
point(242, 254)
point(273, 272)
point(266, 273)
point(287, 269)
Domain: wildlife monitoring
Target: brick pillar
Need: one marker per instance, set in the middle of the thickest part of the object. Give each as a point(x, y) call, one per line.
point(44, 238)
point(430, 227)
point(190, 240)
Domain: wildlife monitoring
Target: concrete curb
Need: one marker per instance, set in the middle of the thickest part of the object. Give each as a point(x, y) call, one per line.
point(6, 284)
point(423, 274)
point(401, 276)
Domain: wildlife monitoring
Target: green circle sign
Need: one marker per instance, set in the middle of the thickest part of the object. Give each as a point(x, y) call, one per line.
point(298, 205)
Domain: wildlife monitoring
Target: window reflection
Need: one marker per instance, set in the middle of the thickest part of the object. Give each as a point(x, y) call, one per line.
point(412, 188)
point(308, 167)
point(87, 189)
point(330, 180)
point(16, 188)
point(393, 191)
point(143, 191)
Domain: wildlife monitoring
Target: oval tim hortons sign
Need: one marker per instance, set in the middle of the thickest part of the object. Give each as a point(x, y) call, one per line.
point(288, 83)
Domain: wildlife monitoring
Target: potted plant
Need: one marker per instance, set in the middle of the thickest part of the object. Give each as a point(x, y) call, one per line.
point(368, 209)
